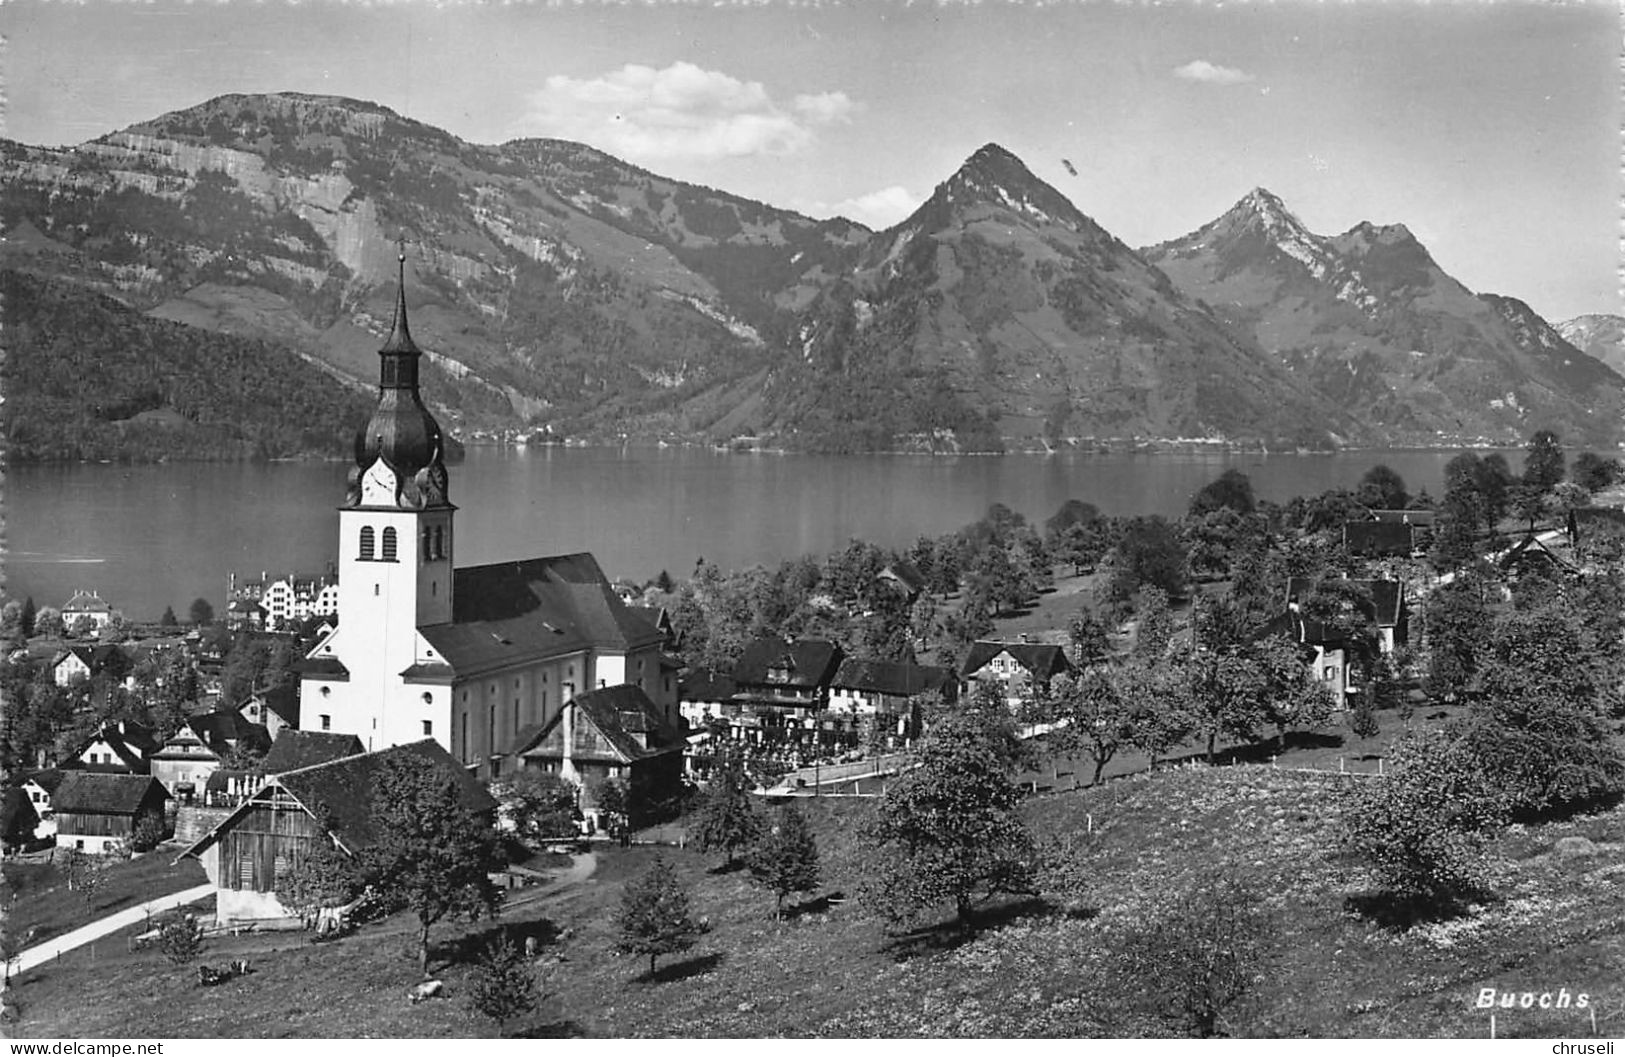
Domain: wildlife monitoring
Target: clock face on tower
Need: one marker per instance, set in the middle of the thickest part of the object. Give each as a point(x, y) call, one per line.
point(378, 485)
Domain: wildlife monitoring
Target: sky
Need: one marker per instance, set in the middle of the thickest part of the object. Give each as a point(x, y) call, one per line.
point(1491, 130)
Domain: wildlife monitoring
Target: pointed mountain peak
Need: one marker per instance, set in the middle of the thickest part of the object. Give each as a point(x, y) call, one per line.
point(1269, 212)
point(994, 177)
point(993, 167)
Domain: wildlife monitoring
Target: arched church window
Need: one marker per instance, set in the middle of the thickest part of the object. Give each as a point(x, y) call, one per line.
point(389, 544)
point(366, 543)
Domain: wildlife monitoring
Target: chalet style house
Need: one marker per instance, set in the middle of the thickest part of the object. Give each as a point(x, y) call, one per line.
point(1016, 668)
point(878, 697)
point(276, 827)
point(1381, 624)
point(781, 690)
point(467, 657)
point(615, 732)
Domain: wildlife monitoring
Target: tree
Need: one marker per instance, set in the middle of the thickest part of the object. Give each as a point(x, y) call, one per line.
point(29, 617)
point(201, 612)
point(1493, 479)
point(947, 830)
point(83, 627)
point(614, 799)
point(168, 620)
point(148, 834)
point(540, 805)
point(1363, 720)
point(1089, 638)
point(785, 860)
point(1595, 473)
point(1543, 461)
point(654, 917)
point(430, 850)
point(1231, 489)
point(1203, 958)
point(1382, 489)
point(1292, 697)
point(1423, 826)
point(1093, 716)
point(180, 938)
point(1155, 627)
point(504, 985)
point(727, 819)
point(48, 624)
point(1147, 551)
point(1455, 621)
point(1159, 701)
point(325, 877)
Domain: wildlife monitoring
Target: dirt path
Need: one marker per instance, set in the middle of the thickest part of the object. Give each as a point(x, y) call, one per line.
point(580, 869)
point(41, 953)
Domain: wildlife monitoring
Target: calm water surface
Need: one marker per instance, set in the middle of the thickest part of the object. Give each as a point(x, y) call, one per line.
point(150, 536)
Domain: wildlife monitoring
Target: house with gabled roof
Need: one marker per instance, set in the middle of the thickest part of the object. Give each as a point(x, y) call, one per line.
point(612, 732)
point(39, 786)
point(274, 708)
point(96, 810)
point(115, 747)
point(1016, 667)
point(295, 750)
point(883, 693)
point(196, 750)
point(80, 663)
point(86, 605)
point(331, 803)
point(1330, 650)
point(781, 690)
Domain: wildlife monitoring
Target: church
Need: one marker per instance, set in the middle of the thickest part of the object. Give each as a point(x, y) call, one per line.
point(470, 657)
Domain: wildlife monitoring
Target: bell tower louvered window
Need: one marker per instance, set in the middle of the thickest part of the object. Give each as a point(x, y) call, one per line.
point(366, 543)
point(389, 545)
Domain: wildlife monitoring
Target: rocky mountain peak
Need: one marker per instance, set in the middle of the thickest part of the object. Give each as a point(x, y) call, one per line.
point(993, 176)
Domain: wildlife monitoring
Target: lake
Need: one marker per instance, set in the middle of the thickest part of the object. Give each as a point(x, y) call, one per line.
point(150, 536)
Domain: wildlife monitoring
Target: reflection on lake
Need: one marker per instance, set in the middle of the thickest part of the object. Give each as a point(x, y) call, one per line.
point(150, 536)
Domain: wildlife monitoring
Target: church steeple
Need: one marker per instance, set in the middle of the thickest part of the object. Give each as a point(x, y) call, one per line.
point(399, 454)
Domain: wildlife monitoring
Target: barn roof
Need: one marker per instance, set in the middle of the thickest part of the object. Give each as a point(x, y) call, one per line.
point(704, 685)
point(511, 612)
point(47, 779)
point(95, 793)
point(296, 749)
point(343, 788)
point(1378, 538)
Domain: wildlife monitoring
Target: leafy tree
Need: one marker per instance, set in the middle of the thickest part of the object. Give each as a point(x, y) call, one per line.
point(785, 860)
point(1159, 700)
point(48, 624)
point(1094, 717)
point(180, 938)
point(663, 583)
point(325, 877)
point(1595, 473)
point(947, 830)
point(504, 985)
point(1292, 697)
point(1422, 828)
point(654, 917)
point(1155, 627)
point(168, 620)
point(1232, 489)
point(541, 805)
point(201, 612)
point(1147, 551)
point(1493, 479)
point(148, 834)
point(1382, 489)
point(1543, 461)
point(1363, 720)
point(614, 799)
point(1227, 697)
point(728, 819)
point(1455, 621)
point(1072, 512)
point(430, 851)
point(1089, 638)
point(83, 627)
point(1204, 957)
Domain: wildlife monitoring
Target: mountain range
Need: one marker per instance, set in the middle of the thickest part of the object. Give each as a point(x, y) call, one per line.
point(554, 285)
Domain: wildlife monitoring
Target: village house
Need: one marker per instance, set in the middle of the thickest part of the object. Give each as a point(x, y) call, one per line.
point(782, 690)
point(273, 831)
point(245, 615)
point(1016, 668)
point(275, 708)
point(39, 786)
point(79, 664)
point(86, 605)
point(1389, 534)
point(1381, 625)
point(123, 747)
point(703, 696)
point(881, 695)
point(614, 732)
point(197, 749)
point(467, 657)
point(96, 811)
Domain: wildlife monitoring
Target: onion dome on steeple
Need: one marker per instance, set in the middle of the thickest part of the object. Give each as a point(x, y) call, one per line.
point(399, 454)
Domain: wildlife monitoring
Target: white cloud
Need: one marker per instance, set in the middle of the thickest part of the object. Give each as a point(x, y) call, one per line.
point(682, 111)
point(1208, 73)
point(877, 209)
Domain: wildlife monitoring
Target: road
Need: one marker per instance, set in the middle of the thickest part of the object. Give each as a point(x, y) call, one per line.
point(41, 953)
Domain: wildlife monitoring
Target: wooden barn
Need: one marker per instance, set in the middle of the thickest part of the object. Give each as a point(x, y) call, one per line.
point(94, 810)
point(296, 811)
